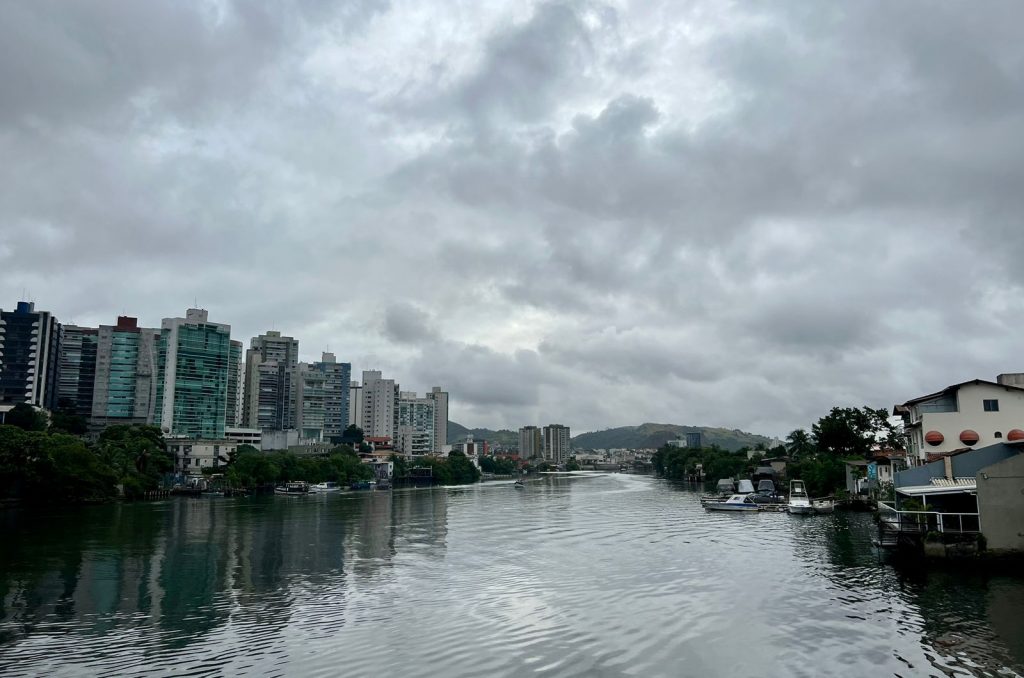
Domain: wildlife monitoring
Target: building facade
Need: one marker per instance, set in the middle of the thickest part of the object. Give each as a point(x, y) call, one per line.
point(194, 365)
point(271, 383)
point(127, 370)
point(416, 419)
point(380, 406)
point(969, 415)
point(531, 442)
point(236, 383)
point(30, 343)
point(440, 399)
point(556, 443)
point(77, 370)
point(336, 387)
point(355, 404)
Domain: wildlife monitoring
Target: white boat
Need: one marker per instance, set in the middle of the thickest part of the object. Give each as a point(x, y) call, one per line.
point(519, 484)
point(745, 487)
point(322, 488)
point(823, 505)
point(737, 502)
point(799, 502)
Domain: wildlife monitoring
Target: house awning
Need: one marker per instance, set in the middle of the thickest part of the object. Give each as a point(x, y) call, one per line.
point(940, 486)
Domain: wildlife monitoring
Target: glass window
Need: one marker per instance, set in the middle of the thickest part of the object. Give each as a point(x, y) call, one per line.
point(992, 405)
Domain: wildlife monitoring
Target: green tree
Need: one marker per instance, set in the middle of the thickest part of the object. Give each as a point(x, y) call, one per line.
point(138, 456)
point(26, 417)
point(572, 465)
point(799, 444)
point(851, 431)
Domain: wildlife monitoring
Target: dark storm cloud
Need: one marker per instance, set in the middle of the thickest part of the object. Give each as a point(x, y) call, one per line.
point(596, 213)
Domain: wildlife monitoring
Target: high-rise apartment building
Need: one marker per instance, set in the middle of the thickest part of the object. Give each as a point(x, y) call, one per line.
point(355, 404)
point(531, 442)
point(380, 405)
point(310, 401)
point(416, 422)
point(236, 382)
point(127, 369)
point(271, 383)
point(29, 353)
point(440, 399)
point(192, 390)
point(556, 443)
point(77, 370)
point(337, 378)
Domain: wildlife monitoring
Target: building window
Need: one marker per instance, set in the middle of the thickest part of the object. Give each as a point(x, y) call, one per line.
point(992, 405)
point(998, 434)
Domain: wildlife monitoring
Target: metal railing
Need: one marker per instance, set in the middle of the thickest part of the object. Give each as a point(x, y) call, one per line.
point(928, 521)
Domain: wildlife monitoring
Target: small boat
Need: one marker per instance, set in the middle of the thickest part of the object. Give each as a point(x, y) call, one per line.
point(799, 502)
point(745, 487)
point(383, 484)
point(823, 505)
point(323, 488)
point(737, 502)
point(293, 489)
point(519, 484)
point(363, 485)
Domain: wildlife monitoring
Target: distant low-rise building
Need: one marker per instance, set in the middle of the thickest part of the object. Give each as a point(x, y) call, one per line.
point(192, 455)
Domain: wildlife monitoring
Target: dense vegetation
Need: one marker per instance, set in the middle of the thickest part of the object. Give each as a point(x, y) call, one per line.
point(249, 467)
point(457, 469)
point(818, 457)
point(42, 463)
point(497, 465)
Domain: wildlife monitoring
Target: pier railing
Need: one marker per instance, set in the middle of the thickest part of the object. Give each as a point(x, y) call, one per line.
point(927, 521)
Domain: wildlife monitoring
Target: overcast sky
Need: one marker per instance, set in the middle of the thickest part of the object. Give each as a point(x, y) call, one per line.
point(593, 213)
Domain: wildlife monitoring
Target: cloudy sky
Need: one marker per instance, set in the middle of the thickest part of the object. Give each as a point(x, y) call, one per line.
point(597, 213)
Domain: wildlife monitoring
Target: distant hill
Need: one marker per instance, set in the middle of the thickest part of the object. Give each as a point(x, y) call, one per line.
point(457, 432)
point(645, 435)
point(656, 435)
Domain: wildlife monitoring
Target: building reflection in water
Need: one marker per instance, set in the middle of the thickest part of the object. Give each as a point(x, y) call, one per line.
point(190, 569)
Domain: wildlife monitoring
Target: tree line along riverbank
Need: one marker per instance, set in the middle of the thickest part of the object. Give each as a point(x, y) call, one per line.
point(41, 462)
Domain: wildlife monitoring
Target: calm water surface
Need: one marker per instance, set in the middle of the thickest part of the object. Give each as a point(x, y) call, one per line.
point(585, 576)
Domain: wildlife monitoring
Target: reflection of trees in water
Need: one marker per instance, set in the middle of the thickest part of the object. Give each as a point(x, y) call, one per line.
point(86, 563)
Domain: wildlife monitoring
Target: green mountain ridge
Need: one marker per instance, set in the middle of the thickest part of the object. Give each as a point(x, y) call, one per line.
point(645, 435)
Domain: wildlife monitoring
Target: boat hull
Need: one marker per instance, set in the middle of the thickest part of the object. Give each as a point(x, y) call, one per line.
point(800, 509)
point(740, 508)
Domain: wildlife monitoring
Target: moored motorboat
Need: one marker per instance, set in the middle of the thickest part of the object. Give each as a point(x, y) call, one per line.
point(323, 488)
point(737, 502)
point(823, 505)
point(799, 502)
point(293, 489)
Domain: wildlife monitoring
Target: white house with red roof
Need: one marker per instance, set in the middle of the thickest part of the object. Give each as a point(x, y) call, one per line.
point(969, 415)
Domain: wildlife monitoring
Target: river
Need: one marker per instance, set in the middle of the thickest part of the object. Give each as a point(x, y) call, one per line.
point(611, 575)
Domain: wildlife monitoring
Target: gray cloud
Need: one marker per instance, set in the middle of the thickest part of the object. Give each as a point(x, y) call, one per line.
point(595, 213)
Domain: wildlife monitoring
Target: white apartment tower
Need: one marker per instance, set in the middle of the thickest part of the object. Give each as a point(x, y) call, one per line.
point(380, 406)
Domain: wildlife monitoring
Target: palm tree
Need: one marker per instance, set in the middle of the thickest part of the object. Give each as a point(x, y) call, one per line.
point(799, 444)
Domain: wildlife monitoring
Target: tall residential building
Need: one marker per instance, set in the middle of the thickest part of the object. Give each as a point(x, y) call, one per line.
point(355, 404)
point(77, 370)
point(29, 354)
point(310, 401)
point(127, 358)
point(380, 405)
point(531, 442)
point(236, 382)
point(440, 399)
point(416, 420)
point(556, 443)
point(192, 390)
point(337, 378)
point(271, 382)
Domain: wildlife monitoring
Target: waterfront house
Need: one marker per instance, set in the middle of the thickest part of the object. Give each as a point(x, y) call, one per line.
point(961, 494)
point(970, 415)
